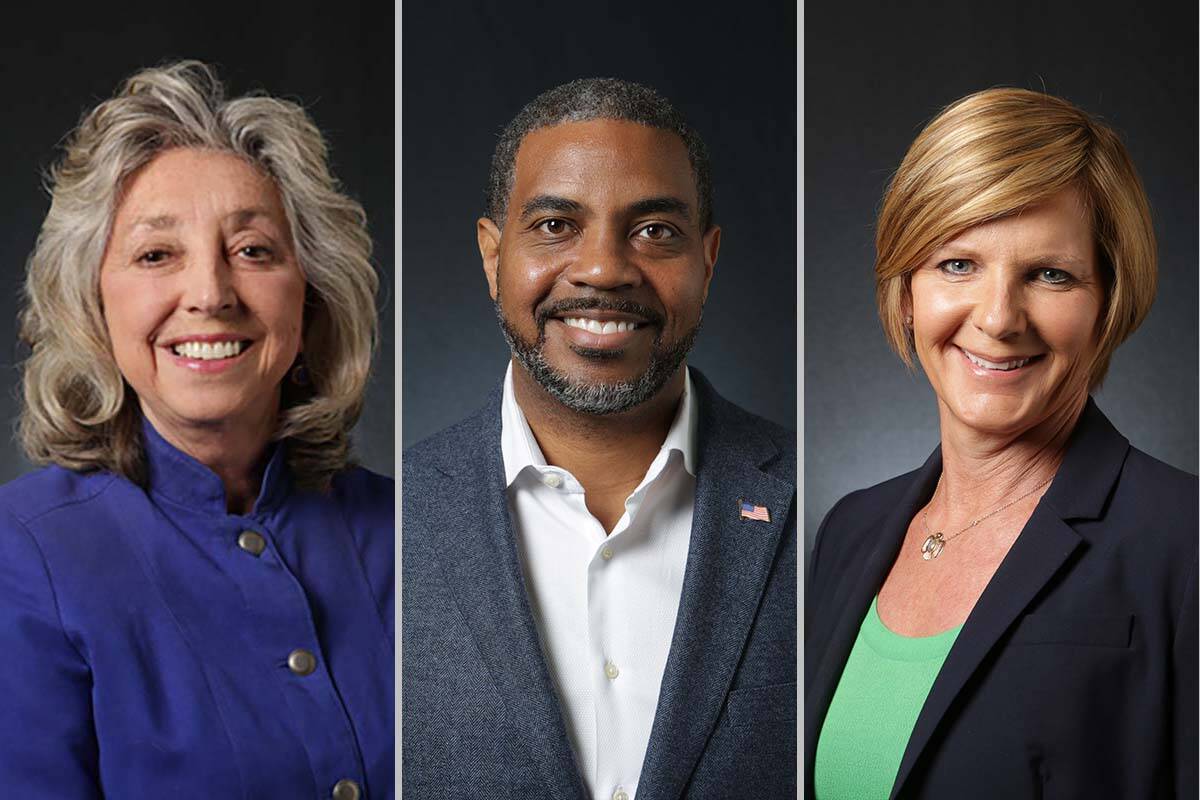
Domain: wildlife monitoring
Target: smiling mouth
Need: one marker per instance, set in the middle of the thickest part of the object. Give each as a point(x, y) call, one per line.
point(999, 366)
point(210, 351)
point(601, 327)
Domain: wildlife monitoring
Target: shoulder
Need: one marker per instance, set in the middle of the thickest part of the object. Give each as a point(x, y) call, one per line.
point(723, 421)
point(1155, 502)
point(1175, 489)
point(361, 486)
point(849, 528)
point(54, 490)
point(438, 454)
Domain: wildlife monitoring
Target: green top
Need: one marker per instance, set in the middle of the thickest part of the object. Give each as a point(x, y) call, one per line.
point(883, 686)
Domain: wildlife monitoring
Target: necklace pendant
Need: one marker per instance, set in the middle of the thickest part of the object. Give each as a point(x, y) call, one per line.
point(933, 546)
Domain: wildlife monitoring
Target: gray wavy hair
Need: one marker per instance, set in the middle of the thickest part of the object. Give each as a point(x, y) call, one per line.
point(78, 410)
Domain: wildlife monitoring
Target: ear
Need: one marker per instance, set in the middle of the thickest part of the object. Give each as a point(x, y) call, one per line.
point(711, 244)
point(488, 236)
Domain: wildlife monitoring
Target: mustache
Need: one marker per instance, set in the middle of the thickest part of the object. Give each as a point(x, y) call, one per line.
point(621, 306)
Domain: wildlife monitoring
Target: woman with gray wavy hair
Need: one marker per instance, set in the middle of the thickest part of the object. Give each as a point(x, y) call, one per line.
point(196, 590)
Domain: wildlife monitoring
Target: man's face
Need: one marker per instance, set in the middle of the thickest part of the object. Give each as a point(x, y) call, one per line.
point(601, 270)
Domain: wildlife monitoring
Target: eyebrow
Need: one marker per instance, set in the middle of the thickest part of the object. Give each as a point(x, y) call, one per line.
point(661, 205)
point(240, 217)
point(649, 205)
point(1048, 259)
point(157, 222)
point(549, 202)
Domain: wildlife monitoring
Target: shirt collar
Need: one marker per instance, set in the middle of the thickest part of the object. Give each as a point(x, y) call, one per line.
point(520, 448)
point(182, 479)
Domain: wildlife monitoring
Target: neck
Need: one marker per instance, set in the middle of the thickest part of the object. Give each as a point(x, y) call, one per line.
point(607, 452)
point(982, 469)
point(232, 448)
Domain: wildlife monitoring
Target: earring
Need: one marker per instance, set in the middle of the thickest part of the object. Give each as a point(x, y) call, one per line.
point(908, 321)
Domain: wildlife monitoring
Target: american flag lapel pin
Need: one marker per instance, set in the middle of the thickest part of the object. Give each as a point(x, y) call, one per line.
point(751, 511)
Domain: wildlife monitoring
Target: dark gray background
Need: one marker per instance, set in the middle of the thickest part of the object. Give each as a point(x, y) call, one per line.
point(470, 66)
point(335, 60)
point(874, 74)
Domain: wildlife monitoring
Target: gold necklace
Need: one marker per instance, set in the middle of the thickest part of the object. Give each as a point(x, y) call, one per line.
point(936, 541)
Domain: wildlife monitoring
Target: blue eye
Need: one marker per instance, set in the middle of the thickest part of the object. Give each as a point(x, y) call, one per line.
point(1051, 275)
point(956, 266)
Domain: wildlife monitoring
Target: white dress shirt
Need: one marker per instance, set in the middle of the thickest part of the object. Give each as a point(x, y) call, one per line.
point(604, 604)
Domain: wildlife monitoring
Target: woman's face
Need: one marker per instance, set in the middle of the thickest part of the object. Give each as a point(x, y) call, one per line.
point(1005, 317)
point(202, 294)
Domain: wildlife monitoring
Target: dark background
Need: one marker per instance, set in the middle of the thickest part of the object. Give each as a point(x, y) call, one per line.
point(874, 74)
point(337, 63)
point(468, 69)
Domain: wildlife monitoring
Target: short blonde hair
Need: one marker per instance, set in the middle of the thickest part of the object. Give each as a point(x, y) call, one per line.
point(78, 411)
point(993, 153)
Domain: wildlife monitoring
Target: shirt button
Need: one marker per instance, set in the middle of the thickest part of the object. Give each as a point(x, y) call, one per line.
point(606, 553)
point(610, 671)
point(346, 789)
point(552, 479)
point(302, 662)
point(252, 542)
point(620, 794)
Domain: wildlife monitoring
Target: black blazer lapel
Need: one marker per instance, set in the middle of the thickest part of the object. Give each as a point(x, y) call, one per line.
point(729, 559)
point(477, 549)
point(1095, 455)
point(852, 603)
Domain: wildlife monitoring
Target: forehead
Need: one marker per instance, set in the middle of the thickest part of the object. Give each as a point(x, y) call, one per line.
point(183, 182)
point(1059, 224)
point(603, 161)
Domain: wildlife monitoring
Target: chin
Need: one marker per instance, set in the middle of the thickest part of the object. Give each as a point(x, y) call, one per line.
point(991, 414)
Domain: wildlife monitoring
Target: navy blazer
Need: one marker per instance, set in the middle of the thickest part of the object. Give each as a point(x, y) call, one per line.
point(481, 716)
point(1075, 674)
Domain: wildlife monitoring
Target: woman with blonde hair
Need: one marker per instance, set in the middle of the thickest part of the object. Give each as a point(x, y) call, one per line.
point(1017, 617)
point(196, 591)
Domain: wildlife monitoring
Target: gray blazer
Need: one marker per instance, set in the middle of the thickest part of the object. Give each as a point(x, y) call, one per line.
point(480, 712)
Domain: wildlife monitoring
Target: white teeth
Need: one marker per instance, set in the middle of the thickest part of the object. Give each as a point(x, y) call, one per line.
point(595, 326)
point(207, 351)
point(1002, 366)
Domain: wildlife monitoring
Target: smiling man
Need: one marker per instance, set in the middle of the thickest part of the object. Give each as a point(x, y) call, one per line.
point(599, 566)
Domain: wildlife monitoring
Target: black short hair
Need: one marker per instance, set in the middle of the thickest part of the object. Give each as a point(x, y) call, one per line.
point(595, 98)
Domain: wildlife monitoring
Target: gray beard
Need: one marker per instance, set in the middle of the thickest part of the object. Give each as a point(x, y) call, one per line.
point(597, 398)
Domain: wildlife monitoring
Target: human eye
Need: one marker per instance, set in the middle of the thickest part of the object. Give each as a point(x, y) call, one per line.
point(152, 256)
point(1053, 276)
point(255, 252)
point(957, 266)
point(656, 232)
point(554, 226)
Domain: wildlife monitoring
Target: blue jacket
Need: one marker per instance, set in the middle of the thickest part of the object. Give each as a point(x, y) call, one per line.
point(480, 713)
point(145, 654)
point(1075, 674)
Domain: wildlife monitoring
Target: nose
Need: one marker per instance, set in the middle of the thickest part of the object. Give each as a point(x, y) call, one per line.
point(1000, 307)
point(208, 285)
point(602, 262)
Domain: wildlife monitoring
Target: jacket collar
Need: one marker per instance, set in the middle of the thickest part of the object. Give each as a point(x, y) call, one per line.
point(728, 561)
point(180, 478)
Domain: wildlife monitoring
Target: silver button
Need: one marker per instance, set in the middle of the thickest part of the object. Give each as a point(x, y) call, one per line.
point(552, 479)
point(252, 542)
point(620, 794)
point(346, 789)
point(302, 662)
point(610, 671)
point(606, 553)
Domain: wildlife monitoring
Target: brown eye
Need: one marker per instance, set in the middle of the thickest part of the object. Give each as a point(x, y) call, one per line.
point(554, 227)
point(153, 257)
point(254, 252)
point(657, 233)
